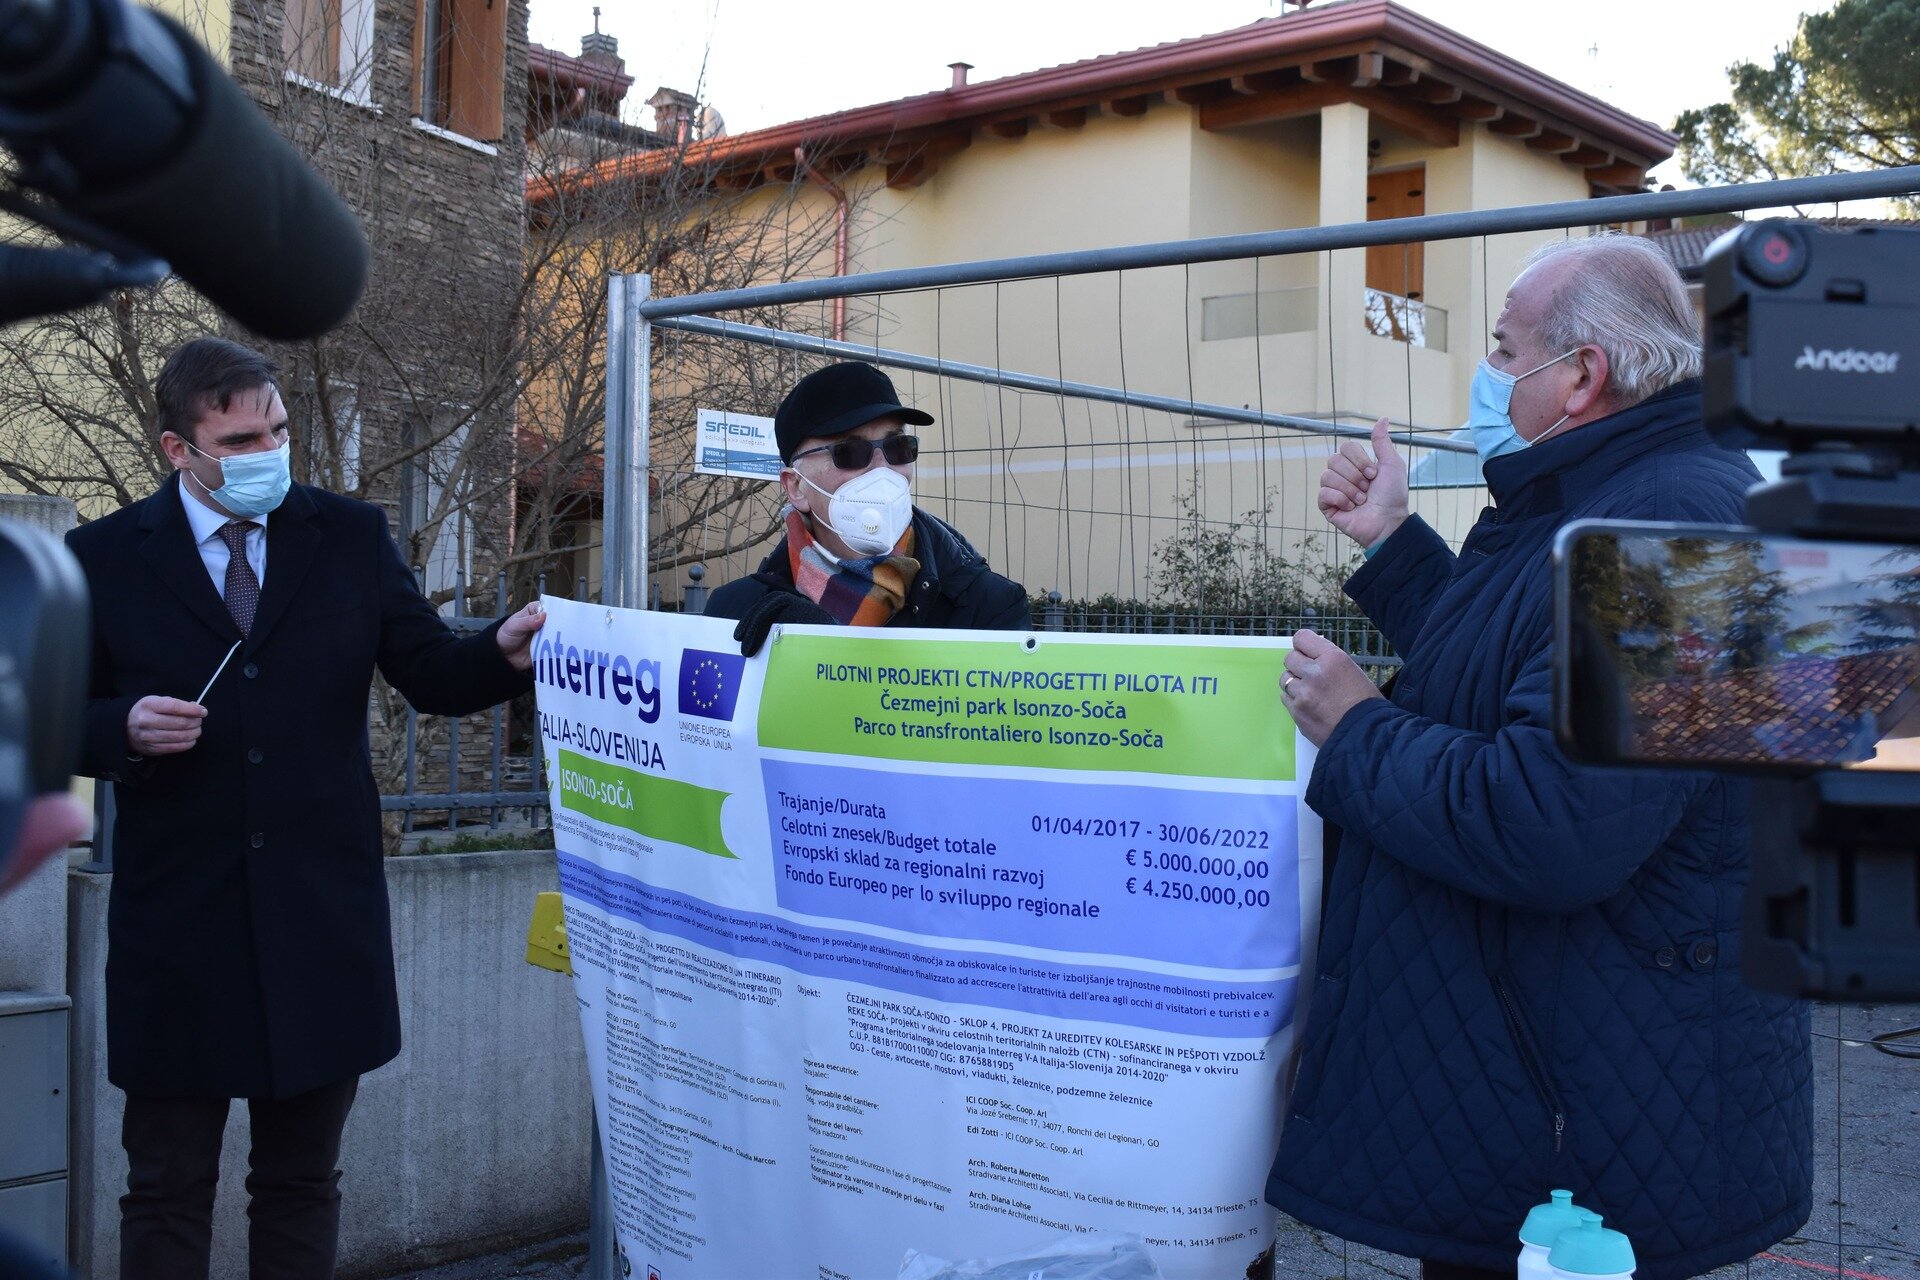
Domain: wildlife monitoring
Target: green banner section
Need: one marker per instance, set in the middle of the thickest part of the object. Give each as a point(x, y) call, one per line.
point(659, 808)
point(1195, 710)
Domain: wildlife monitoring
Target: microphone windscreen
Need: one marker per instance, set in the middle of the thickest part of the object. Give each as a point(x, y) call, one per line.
point(240, 215)
point(47, 281)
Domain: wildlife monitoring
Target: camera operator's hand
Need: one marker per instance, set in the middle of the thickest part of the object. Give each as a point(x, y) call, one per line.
point(1365, 497)
point(50, 825)
point(163, 726)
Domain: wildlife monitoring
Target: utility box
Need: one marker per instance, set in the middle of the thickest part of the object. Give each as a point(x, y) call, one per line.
point(33, 1123)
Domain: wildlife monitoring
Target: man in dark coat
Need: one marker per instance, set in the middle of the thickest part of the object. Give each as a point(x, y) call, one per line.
point(249, 953)
point(857, 551)
point(1529, 971)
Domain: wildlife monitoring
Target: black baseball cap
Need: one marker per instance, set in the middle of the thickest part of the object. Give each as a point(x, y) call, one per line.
point(835, 400)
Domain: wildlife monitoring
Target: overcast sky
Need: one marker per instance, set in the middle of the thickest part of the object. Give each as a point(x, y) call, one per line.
point(764, 62)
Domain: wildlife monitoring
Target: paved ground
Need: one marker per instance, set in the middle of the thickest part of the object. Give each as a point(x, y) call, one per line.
point(1866, 1194)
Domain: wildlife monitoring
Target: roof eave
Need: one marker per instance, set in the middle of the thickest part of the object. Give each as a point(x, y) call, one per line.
point(1154, 69)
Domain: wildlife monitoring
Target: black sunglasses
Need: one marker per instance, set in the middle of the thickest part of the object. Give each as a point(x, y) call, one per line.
point(853, 453)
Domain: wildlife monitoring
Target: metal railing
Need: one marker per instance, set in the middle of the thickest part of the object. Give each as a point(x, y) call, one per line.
point(496, 797)
point(529, 794)
point(1353, 632)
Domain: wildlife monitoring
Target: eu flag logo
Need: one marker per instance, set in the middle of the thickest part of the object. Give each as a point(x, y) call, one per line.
point(709, 683)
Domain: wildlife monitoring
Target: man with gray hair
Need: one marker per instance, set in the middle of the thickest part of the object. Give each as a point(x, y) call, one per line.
point(1529, 971)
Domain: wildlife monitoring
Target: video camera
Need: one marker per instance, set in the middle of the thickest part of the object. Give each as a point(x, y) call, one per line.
point(44, 650)
point(1789, 649)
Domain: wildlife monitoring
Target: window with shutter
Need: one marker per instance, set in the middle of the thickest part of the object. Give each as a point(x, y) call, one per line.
point(329, 44)
point(460, 49)
point(310, 39)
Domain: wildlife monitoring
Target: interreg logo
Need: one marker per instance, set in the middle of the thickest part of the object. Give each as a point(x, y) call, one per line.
point(709, 683)
point(1851, 360)
point(631, 682)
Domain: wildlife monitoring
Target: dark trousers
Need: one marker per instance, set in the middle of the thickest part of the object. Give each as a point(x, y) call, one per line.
point(293, 1184)
point(1454, 1271)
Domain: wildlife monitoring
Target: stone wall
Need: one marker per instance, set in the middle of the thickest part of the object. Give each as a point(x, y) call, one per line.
point(435, 340)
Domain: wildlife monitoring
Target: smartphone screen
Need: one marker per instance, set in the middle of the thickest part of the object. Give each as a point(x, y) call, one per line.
point(1697, 646)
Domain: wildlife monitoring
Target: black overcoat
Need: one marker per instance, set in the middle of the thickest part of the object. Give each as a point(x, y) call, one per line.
point(249, 952)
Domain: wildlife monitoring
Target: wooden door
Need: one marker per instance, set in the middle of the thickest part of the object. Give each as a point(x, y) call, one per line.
point(1395, 268)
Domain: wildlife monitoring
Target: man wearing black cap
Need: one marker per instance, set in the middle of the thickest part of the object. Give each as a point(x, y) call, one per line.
point(857, 551)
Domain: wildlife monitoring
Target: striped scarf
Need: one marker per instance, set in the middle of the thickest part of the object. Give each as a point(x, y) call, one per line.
point(858, 593)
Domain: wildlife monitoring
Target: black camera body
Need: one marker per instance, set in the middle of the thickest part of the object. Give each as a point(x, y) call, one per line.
point(1813, 346)
point(1788, 648)
point(44, 649)
point(1813, 337)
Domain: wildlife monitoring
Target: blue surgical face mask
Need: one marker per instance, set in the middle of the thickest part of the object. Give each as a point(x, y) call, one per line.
point(251, 484)
point(1488, 401)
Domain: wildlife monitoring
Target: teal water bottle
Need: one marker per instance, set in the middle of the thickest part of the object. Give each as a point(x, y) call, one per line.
point(1543, 1226)
point(1591, 1252)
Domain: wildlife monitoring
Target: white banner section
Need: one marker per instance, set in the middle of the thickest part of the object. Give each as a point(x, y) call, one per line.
point(957, 942)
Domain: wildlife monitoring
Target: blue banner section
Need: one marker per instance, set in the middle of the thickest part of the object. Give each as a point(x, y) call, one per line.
point(1209, 878)
point(740, 464)
point(709, 683)
point(1183, 1006)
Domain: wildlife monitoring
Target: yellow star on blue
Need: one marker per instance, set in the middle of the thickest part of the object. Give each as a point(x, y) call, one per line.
point(702, 700)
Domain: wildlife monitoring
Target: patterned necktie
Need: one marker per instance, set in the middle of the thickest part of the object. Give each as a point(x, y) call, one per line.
point(243, 589)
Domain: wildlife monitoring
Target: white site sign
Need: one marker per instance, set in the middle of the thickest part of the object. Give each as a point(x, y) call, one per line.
point(735, 444)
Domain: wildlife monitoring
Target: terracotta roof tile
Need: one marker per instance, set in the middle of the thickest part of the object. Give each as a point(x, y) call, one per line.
point(1687, 246)
point(1806, 710)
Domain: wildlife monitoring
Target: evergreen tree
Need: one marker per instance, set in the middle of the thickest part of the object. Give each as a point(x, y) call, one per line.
point(1843, 94)
point(1888, 616)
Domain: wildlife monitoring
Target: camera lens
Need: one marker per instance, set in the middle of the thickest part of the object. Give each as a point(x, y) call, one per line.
point(1774, 253)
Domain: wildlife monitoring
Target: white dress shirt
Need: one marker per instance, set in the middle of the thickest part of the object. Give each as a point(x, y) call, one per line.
point(206, 524)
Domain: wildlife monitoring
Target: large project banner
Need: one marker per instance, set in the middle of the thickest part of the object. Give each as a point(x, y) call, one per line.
point(953, 942)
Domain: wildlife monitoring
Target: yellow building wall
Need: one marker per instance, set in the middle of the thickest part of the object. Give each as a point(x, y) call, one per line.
point(210, 20)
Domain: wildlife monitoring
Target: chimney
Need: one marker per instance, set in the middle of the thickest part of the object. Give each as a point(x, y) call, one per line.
point(601, 49)
point(672, 114)
point(959, 70)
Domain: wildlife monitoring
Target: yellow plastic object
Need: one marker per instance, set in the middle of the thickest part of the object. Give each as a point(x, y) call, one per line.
point(547, 935)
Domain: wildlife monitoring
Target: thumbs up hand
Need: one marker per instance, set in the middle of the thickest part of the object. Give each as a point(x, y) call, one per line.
point(1365, 495)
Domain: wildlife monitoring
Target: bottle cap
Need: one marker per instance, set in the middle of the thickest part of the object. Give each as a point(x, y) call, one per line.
point(1546, 1221)
point(1591, 1250)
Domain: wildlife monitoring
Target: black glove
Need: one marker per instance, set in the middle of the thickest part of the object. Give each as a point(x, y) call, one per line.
point(776, 606)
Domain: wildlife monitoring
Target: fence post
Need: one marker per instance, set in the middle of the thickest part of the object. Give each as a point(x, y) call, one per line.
point(453, 722)
point(1055, 617)
point(413, 724)
point(623, 578)
point(694, 599)
point(104, 806)
point(498, 715)
point(623, 582)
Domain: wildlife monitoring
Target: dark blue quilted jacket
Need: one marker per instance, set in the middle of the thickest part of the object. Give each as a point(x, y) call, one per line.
point(1530, 971)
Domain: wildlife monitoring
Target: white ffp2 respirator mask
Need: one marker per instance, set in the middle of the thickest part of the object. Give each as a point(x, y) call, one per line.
point(870, 511)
